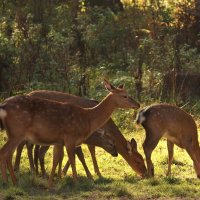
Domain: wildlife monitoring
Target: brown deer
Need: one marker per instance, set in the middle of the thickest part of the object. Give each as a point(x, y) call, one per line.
point(108, 128)
point(171, 122)
point(101, 140)
point(46, 122)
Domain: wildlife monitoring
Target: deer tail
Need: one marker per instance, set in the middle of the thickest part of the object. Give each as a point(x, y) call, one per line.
point(143, 115)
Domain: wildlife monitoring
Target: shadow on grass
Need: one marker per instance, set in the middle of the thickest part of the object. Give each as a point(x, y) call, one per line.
point(84, 185)
point(103, 181)
point(175, 162)
point(172, 180)
point(132, 179)
point(67, 184)
point(194, 181)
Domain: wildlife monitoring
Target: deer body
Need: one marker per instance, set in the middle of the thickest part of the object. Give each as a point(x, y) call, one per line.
point(171, 122)
point(42, 127)
point(49, 122)
point(96, 139)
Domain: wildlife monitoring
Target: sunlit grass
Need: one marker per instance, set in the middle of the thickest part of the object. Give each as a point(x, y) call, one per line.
point(119, 182)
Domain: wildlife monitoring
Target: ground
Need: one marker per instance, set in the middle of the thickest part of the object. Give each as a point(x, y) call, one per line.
point(119, 181)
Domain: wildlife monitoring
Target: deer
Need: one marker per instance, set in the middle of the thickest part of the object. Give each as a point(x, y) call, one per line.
point(108, 128)
point(46, 122)
point(173, 123)
point(101, 140)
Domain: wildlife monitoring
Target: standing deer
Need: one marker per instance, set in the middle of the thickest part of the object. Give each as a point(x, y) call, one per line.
point(164, 120)
point(46, 122)
point(109, 129)
point(102, 140)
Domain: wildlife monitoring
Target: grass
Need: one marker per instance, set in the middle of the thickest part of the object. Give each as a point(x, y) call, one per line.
point(120, 182)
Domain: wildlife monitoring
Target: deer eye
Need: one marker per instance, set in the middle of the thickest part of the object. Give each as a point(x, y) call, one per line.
point(125, 96)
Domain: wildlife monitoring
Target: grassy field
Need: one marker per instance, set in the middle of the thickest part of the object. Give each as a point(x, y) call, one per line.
point(119, 182)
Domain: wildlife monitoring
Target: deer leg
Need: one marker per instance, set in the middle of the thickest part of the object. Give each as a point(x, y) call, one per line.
point(42, 152)
point(149, 145)
point(61, 155)
point(65, 169)
point(56, 156)
point(94, 160)
point(82, 159)
point(18, 155)
point(35, 160)
point(194, 154)
point(71, 149)
point(30, 155)
point(170, 147)
point(11, 170)
point(3, 172)
point(80, 155)
point(6, 158)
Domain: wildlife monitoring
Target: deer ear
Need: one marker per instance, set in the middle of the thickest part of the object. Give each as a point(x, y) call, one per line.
point(133, 144)
point(121, 86)
point(109, 86)
point(129, 147)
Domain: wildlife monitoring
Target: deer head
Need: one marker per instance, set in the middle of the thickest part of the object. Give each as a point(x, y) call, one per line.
point(120, 96)
point(102, 139)
point(132, 151)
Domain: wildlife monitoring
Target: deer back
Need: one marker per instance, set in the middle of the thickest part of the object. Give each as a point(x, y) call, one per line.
point(172, 122)
point(45, 122)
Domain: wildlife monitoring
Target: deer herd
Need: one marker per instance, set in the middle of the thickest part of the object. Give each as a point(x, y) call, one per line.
point(43, 118)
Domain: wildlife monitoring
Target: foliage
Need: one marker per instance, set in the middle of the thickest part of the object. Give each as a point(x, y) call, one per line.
point(66, 45)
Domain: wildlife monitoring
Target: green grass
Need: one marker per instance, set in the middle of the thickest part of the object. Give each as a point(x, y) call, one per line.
point(120, 182)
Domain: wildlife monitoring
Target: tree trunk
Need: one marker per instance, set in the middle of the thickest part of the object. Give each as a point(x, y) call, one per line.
point(197, 23)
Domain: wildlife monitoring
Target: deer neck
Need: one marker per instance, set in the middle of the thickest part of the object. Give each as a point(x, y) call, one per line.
point(100, 114)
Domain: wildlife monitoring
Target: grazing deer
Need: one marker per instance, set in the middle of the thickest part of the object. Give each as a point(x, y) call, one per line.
point(171, 122)
point(46, 122)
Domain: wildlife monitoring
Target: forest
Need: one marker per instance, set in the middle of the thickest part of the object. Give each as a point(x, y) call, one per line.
point(153, 46)
point(72, 46)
